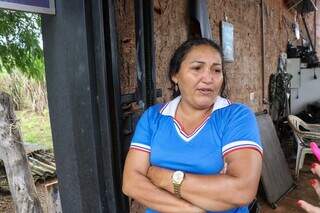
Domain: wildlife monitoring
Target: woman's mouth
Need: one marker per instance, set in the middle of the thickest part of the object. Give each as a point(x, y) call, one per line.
point(205, 91)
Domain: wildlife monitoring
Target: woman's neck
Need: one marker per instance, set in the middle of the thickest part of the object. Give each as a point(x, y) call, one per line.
point(187, 110)
point(189, 117)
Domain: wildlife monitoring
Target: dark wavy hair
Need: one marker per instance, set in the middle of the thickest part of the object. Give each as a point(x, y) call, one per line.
point(180, 54)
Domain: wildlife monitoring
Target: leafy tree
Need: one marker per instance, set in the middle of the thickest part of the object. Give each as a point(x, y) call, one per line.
point(20, 47)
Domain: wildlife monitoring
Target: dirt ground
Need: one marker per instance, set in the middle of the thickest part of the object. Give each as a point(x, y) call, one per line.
point(6, 204)
point(302, 191)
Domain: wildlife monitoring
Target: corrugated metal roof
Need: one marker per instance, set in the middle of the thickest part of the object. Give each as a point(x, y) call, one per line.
point(42, 165)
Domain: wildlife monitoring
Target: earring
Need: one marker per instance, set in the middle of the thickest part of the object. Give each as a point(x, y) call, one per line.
point(176, 88)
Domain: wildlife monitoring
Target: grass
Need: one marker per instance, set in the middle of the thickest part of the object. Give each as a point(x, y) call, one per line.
point(35, 127)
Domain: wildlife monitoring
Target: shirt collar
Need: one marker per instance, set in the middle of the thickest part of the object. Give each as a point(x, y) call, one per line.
point(170, 108)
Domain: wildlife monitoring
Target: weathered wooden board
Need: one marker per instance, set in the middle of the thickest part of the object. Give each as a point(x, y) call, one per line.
point(276, 177)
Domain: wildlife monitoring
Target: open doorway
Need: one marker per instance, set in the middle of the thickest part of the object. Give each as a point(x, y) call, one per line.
point(22, 79)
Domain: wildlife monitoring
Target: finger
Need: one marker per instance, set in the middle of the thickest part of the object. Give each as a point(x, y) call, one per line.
point(315, 184)
point(308, 207)
point(149, 172)
point(315, 169)
point(224, 170)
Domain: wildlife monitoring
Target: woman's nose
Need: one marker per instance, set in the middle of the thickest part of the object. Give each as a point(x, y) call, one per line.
point(207, 76)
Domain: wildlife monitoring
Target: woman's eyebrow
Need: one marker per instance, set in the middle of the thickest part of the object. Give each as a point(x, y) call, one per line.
point(199, 62)
point(202, 62)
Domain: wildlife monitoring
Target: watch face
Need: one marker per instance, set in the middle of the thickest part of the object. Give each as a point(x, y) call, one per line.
point(177, 177)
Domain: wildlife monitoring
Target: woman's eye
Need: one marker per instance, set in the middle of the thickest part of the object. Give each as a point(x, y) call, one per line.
point(217, 70)
point(196, 68)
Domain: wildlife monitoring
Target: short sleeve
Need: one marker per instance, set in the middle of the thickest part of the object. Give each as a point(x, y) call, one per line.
point(241, 131)
point(142, 135)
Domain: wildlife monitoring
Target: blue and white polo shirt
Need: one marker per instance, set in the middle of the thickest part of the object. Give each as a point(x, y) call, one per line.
point(230, 127)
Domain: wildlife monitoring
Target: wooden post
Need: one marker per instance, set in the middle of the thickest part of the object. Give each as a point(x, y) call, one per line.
point(12, 153)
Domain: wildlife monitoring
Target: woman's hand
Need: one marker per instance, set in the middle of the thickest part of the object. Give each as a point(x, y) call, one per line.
point(315, 169)
point(137, 185)
point(308, 207)
point(160, 177)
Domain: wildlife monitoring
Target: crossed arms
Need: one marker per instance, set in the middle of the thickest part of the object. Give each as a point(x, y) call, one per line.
point(152, 185)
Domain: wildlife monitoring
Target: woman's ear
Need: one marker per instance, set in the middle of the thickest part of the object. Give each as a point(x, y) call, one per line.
point(174, 78)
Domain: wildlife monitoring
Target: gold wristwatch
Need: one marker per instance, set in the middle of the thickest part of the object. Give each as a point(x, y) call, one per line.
point(177, 179)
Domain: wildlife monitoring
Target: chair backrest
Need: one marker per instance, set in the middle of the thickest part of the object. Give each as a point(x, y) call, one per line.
point(307, 133)
point(295, 123)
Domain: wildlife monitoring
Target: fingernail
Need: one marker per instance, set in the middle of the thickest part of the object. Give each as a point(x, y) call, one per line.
point(313, 182)
point(298, 203)
point(313, 165)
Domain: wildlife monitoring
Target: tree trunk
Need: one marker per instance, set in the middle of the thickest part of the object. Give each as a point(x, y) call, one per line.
point(12, 153)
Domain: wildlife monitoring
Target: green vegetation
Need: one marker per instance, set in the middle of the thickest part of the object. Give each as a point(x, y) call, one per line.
point(20, 47)
point(30, 102)
point(35, 127)
point(27, 94)
point(22, 73)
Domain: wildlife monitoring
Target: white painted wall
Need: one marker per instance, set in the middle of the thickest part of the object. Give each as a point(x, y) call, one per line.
point(304, 88)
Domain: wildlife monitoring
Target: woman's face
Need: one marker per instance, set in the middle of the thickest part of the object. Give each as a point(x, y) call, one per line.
point(200, 77)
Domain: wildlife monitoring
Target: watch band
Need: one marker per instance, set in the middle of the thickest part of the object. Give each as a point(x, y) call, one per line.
point(176, 190)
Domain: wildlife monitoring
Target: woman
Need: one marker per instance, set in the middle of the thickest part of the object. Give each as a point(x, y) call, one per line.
point(179, 150)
